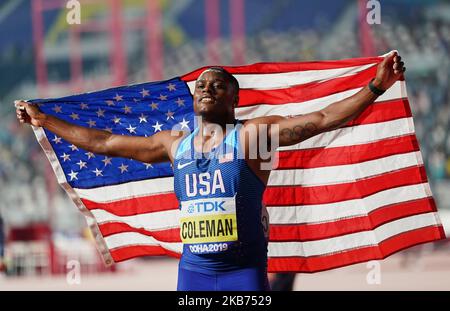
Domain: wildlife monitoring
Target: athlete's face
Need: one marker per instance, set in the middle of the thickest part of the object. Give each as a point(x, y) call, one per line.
point(214, 95)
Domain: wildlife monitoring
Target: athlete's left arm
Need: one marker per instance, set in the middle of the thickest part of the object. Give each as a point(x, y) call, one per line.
point(292, 130)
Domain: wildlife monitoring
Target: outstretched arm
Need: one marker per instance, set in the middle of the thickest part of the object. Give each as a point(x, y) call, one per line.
point(151, 149)
point(292, 130)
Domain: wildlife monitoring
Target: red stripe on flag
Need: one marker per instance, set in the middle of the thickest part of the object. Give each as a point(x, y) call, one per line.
point(375, 113)
point(376, 218)
point(345, 258)
point(298, 195)
point(266, 68)
point(136, 206)
point(167, 235)
point(321, 157)
point(128, 252)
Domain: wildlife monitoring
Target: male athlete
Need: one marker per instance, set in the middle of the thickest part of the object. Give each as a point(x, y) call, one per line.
point(218, 184)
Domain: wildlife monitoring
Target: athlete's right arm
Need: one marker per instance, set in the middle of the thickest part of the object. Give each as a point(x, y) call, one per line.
point(153, 149)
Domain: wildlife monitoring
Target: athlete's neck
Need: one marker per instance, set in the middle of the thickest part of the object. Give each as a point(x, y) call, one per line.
point(209, 132)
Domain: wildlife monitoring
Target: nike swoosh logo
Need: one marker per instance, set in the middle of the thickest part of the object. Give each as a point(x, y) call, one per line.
point(180, 166)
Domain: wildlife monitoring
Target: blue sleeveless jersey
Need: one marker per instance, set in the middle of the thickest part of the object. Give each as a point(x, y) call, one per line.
point(220, 207)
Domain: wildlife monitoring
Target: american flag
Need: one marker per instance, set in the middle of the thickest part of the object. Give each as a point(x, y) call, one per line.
point(346, 196)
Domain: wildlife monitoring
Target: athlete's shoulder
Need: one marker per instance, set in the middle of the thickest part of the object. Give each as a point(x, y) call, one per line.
point(171, 140)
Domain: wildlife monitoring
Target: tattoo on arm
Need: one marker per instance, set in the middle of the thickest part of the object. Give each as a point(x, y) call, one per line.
point(298, 132)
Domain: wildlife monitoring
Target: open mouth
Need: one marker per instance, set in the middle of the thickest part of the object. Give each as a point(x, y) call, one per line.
point(206, 99)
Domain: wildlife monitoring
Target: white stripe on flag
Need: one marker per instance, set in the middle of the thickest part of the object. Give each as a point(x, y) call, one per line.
point(267, 81)
point(303, 214)
point(395, 92)
point(356, 135)
point(342, 173)
point(133, 238)
point(354, 240)
point(127, 190)
point(149, 221)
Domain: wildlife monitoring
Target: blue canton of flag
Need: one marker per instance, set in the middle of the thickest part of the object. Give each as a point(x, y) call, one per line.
point(137, 110)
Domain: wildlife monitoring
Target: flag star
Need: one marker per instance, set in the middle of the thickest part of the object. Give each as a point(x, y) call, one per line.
point(127, 109)
point(73, 175)
point(154, 106)
point(162, 97)
point(65, 157)
point(147, 165)
point(110, 103)
point(100, 112)
point(81, 164)
point(73, 147)
point(116, 120)
point(74, 116)
point(143, 118)
point(57, 109)
point(123, 168)
point(171, 87)
point(90, 155)
point(169, 115)
point(180, 102)
point(145, 92)
point(157, 126)
point(108, 129)
point(118, 97)
point(83, 106)
point(184, 123)
point(136, 100)
point(131, 129)
point(57, 140)
point(91, 123)
point(107, 161)
point(97, 172)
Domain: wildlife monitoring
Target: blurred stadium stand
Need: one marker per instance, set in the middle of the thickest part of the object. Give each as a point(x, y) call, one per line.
point(285, 30)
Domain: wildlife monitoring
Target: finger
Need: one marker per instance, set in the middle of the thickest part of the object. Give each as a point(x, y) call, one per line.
point(393, 55)
point(397, 59)
point(398, 66)
point(400, 70)
point(21, 105)
point(18, 103)
point(20, 111)
point(389, 58)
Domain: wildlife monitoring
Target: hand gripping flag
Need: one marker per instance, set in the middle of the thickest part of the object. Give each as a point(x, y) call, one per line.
point(346, 196)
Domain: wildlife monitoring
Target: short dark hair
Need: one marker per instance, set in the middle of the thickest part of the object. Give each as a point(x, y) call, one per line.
point(229, 76)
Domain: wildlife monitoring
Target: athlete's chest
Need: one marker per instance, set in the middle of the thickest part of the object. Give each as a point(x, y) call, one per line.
point(218, 176)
